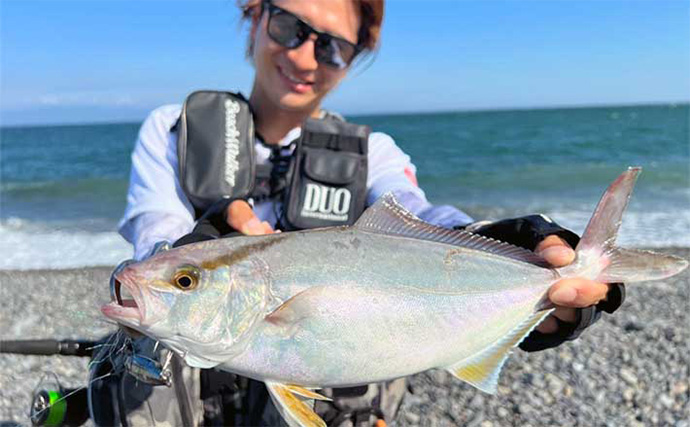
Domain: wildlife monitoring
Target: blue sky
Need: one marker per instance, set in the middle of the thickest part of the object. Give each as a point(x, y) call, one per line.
point(103, 61)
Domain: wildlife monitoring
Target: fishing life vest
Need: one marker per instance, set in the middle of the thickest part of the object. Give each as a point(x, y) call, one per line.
point(321, 180)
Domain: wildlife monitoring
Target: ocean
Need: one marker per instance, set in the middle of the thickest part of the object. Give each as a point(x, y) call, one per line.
point(62, 188)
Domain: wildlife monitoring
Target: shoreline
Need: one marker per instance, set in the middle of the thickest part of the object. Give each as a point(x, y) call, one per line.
point(631, 368)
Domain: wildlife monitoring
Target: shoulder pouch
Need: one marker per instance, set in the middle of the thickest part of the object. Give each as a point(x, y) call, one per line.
point(328, 177)
point(215, 148)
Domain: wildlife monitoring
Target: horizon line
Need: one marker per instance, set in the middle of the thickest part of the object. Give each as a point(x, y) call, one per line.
point(671, 104)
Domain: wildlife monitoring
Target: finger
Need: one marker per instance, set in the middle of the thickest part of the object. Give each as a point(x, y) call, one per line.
point(555, 251)
point(549, 241)
point(241, 217)
point(577, 292)
point(254, 227)
point(565, 314)
point(548, 326)
point(267, 228)
point(238, 214)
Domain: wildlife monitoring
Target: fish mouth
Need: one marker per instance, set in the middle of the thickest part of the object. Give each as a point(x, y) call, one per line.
point(127, 299)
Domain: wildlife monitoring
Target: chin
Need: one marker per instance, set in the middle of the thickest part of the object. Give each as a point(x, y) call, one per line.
point(298, 102)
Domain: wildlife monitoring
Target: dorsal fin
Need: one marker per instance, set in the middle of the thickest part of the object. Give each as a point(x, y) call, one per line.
point(388, 217)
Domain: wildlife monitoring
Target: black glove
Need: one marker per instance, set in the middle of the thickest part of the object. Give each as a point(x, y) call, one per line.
point(527, 232)
point(211, 225)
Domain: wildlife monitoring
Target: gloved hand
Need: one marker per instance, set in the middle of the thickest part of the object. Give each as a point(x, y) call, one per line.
point(579, 302)
point(226, 218)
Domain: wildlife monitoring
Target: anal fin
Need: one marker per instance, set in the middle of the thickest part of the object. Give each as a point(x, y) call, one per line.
point(294, 404)
point(482, 370)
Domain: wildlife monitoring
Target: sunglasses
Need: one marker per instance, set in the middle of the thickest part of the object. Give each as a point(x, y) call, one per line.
point(289, 31)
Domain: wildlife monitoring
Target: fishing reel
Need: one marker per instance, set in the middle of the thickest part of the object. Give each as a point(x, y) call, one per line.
point(55, 405)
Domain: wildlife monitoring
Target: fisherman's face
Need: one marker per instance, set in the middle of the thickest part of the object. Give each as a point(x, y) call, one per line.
point(292, 79)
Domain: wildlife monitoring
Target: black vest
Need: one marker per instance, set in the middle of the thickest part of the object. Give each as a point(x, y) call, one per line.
point(320, 179)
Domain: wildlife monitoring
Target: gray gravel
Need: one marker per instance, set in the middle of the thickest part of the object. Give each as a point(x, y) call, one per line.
point(631, 369)
point(61, 304)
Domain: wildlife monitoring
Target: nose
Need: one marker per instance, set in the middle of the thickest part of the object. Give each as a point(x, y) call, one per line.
point(303, 56)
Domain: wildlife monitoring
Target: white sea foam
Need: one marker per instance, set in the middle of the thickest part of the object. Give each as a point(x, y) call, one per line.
point(26, 246)
point(648, 230)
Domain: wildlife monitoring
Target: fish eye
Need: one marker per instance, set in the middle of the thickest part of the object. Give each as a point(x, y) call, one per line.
point(186, 278)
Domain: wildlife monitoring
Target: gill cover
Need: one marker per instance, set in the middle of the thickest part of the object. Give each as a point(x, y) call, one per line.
point(215, 321)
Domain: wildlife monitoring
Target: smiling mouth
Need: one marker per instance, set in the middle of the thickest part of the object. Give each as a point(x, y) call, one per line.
point(292, 78)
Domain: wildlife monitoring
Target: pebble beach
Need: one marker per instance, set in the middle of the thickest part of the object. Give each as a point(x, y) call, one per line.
point(630, 369)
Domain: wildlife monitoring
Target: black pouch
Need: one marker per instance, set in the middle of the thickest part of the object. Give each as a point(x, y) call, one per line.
point(328, 176)
point(215, 148)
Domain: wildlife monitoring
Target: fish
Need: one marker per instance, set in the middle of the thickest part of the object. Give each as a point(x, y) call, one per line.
point(387, 297)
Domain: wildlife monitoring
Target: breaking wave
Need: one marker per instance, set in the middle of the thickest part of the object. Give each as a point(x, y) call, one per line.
point(29, 246)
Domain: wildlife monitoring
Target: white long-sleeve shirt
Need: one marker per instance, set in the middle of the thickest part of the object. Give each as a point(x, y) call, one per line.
point(158, 210)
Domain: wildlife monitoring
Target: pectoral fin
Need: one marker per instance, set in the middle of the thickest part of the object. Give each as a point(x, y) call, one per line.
point(295, 404)
point(482, 370)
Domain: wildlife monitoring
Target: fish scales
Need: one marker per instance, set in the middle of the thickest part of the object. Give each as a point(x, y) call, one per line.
point(388, 297)
point(347, 256)
point(448, 327)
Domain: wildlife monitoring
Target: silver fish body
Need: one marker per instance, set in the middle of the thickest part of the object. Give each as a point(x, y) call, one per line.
point(407, 305)
point(388, 297)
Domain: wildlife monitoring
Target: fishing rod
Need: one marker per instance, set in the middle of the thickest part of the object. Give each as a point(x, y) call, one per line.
point(49, 347)
point(54, 405)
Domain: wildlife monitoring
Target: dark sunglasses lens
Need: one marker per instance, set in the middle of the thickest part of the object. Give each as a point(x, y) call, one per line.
point(334, 52)
point(286, 30)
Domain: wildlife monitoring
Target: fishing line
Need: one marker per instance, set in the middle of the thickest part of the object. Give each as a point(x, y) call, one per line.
point(63, 398)
point(112, 342)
